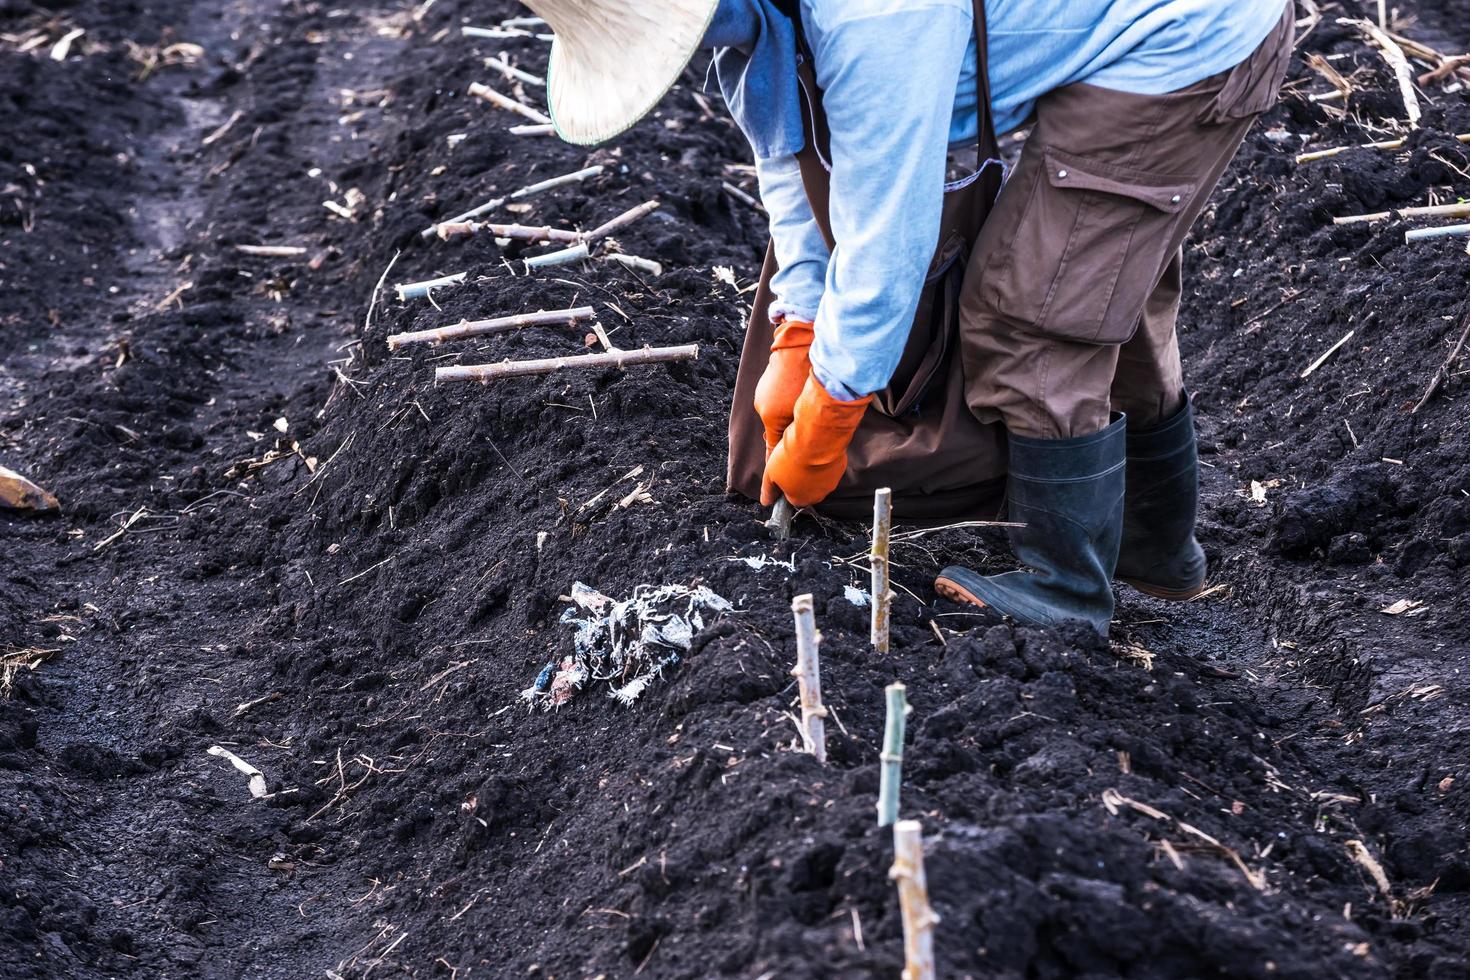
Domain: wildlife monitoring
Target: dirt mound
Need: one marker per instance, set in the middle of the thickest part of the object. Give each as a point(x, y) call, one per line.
point(353, 604)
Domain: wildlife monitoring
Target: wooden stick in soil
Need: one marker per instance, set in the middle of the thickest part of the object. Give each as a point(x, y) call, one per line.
point(533, 129)
point(527, 191)
point(503, 324)
point(890, 778)
point(1447, 231)
point(1397, 144)
point(781, 517)
point(415, 290)
point(913, 900)
point(1444, 369)
point(271, 251)
point(1330, 351)
point(511, 71)
point(809, 678)
point(502, 101)
point(503, 34)
point(1461, 210)
point(621, 221)
point(524, 233)
point(485, 373)
point(878, 562)
point(577, 253)
point(741, 196)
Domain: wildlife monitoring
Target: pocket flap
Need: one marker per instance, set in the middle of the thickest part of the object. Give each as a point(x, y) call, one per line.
point(1166, 193)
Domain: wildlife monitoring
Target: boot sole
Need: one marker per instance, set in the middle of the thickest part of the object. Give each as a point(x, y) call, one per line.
point(955, 592)
point(1167, 594)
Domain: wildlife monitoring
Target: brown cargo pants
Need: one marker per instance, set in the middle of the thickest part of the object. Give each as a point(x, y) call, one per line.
point(1072, 296)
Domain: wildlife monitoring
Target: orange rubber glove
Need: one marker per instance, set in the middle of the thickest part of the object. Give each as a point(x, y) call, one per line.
point(812, 456)
point(781, 383)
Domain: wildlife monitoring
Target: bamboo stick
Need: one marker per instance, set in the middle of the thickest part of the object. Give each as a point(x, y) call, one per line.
point(1383, 145)
point(878, 562)
point(525, 233)
point(621, 221)
point(511, 71)
point(576, 253)
point(486, 373)
point(809, 678)
point(913, 900)
point(1447, 231)
point(527, 191)
point(1461, 210)
point(891, 776)
point(506, 102)
point(479, 328)
point(415, 290)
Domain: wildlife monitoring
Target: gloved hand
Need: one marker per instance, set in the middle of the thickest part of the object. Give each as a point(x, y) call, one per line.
point(781, 384)
point(812, 455)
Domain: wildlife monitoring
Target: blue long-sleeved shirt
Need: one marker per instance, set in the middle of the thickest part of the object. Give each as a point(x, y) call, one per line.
point(899, 87)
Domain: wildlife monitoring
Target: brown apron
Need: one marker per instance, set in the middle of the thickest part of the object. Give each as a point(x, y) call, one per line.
point(919, 437)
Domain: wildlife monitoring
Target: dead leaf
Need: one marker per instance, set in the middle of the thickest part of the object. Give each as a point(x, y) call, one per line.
point(18, 493)
point(1403, 606)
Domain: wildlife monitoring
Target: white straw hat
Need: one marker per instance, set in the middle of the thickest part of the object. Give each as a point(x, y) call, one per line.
point(612, 60)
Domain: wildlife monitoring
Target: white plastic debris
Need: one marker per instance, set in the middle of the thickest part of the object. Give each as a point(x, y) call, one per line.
point(257, 778)
point(856, 596)
point(626, 643)
point(761, 562)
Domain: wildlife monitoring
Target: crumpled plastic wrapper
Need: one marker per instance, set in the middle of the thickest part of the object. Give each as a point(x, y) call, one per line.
point(627, 644)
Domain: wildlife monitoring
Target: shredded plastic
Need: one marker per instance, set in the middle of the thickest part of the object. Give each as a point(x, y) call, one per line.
point(627, 644)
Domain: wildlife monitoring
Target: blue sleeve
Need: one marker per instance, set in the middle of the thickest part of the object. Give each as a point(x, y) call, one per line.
point(801, 252)
point(888, 83)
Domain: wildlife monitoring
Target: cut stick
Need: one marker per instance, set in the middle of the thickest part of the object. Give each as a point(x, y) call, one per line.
point(1329, 352)
point(913, 900)
point(1397, 144)
point(1433, 211)
point(1444, 369)
point(809, 678)
point(417, 290)
point(534, 129)
point(741, 196)
point(621, 221)
point(503, 324)
point(577, 253)
point(781, 517)
point(501, 34)
point(527, 191)
point(1447, 231)
point(1397, 63)
point(272, 251)
point(878, 564)
point(495, 98)
point(634, 262)
point(485, 373)
point(511, 71)
point(525, 233)
point(891, 776)
point(523, 22)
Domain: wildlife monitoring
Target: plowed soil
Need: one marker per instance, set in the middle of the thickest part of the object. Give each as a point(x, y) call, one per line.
point(281, 538)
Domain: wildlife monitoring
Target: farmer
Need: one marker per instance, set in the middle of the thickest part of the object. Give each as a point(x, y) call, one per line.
point(1070, 296)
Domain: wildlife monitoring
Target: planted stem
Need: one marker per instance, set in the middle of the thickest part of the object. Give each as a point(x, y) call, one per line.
point(1448, 231)
point(525, 233)
point(1434, 211)
point(913, 900)
point(1382, 145)
point(511, 71)
point(809, 678)
point(878, 561)
point(576, 253)
point(617, 358)
point(527, 191)
point(478, 328)
point(891, 776)
point(621, 221)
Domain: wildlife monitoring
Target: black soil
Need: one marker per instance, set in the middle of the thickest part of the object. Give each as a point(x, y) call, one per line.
point(355, 604)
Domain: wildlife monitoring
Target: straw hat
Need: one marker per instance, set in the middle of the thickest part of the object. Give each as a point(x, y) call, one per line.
point(612, 60)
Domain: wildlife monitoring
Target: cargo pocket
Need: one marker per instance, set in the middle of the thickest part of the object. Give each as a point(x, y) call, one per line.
point(1251, 87)
point(1090, 248)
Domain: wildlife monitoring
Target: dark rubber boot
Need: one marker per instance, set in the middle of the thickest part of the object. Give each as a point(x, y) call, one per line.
point(1069, 494)
point(1160, 556)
